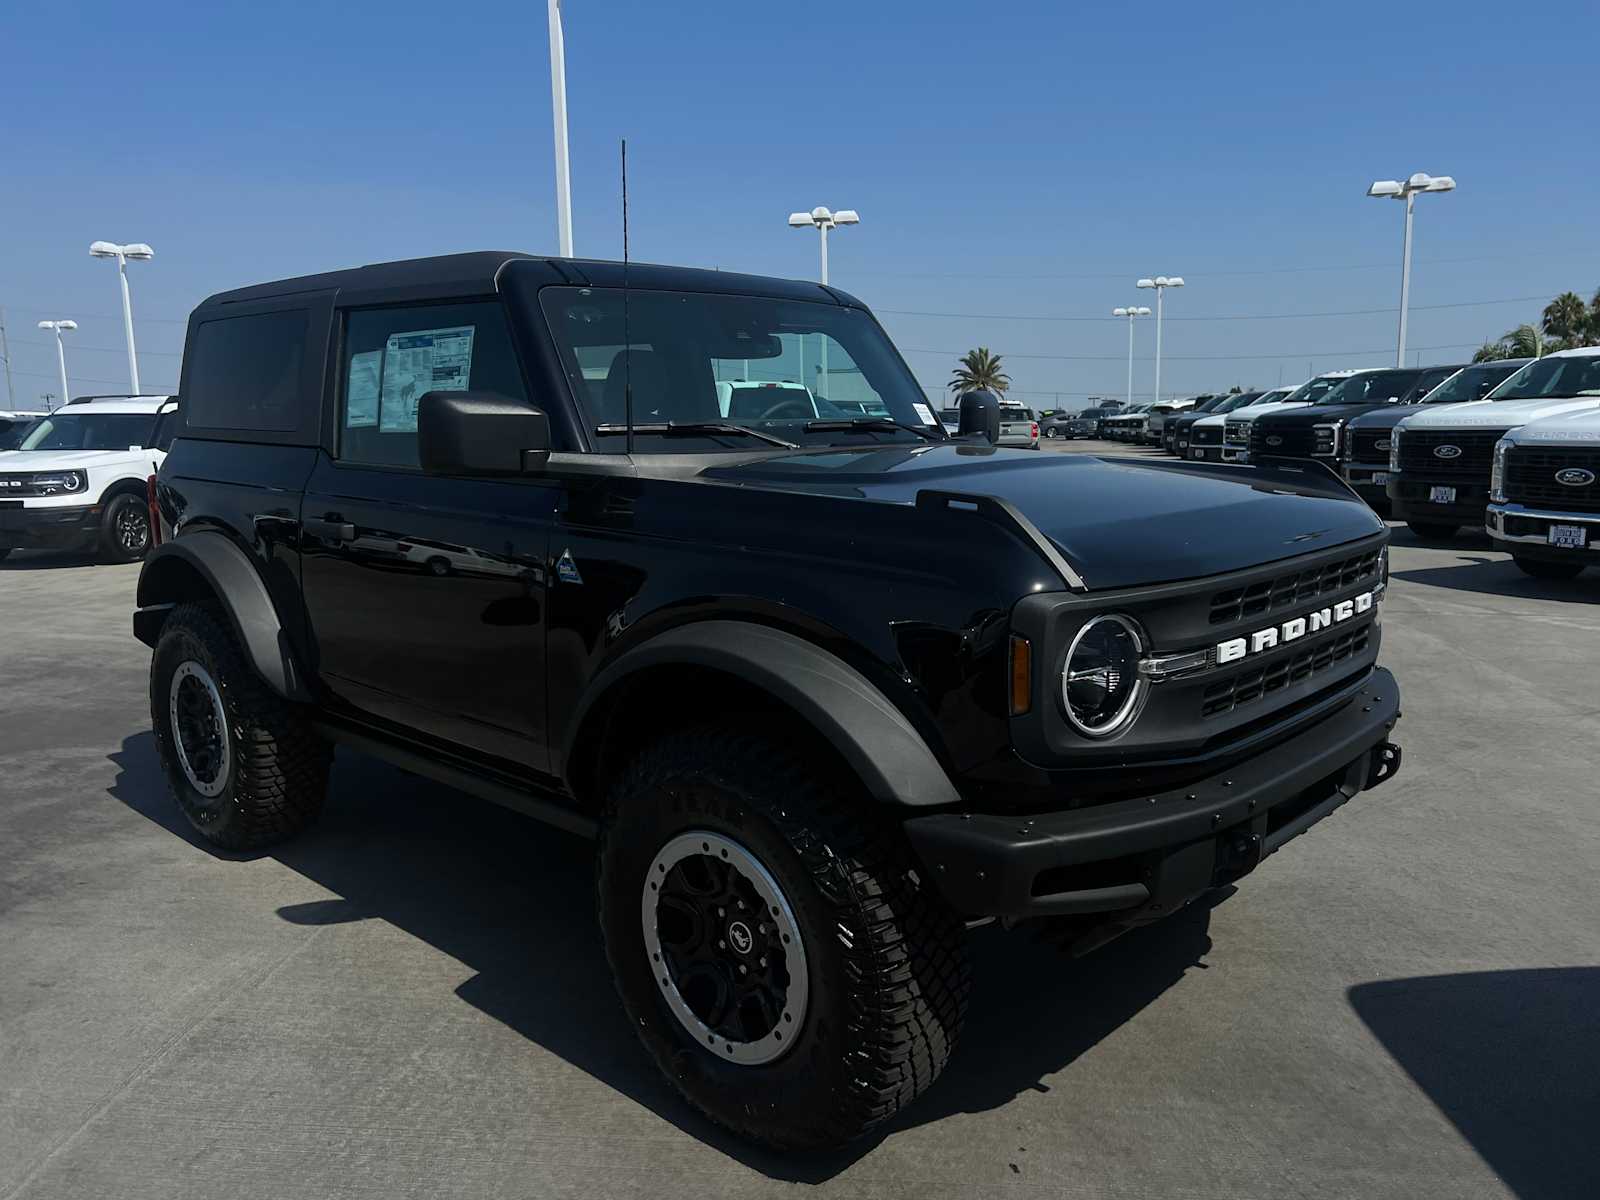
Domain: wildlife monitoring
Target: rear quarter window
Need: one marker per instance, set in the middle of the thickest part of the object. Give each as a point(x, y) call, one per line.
point(248, 372)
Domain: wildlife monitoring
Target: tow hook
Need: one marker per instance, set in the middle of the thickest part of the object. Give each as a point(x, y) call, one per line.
point(1383, 765)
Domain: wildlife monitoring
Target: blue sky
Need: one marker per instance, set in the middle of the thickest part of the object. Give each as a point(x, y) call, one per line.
point(1009, 161)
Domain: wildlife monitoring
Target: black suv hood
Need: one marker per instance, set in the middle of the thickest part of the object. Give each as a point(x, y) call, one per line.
point(1388, 416)
point(1325, 414)
point(1122, 522)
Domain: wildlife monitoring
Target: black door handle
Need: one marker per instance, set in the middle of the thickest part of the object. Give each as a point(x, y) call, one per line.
point(330, 527)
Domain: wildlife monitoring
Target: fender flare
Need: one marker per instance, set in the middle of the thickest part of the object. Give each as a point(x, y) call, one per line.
point(240, 591)
point(881, 746)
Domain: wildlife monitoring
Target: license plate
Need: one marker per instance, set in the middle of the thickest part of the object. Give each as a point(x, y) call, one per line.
point(1380, 477)
point(1183, 445)
point(1442, 495)
point(1568, 537)
point(1199, 453)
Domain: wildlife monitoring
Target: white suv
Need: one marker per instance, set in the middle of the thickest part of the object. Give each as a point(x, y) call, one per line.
point(1544, 494)
point(77, 480)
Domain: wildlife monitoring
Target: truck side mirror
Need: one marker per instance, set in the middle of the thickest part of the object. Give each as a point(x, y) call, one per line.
point(980, 414)
point(480, 433)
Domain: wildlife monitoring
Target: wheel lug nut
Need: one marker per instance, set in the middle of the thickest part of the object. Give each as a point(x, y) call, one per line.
point(722, 912)
point(721, 945)
point(763, 962)
point(743, 970)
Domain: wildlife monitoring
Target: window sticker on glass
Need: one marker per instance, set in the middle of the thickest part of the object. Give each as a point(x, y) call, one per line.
point(361, 393)
point(427, 360)
point(924, 414)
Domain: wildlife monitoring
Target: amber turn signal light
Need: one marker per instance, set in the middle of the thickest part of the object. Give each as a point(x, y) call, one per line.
point(1021, 675)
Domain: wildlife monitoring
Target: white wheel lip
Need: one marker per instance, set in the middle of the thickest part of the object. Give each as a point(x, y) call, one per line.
point(776, 1044)
point(190, 669)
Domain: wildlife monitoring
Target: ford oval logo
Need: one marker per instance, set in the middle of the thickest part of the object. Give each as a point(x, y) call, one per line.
point(1274, 441)
point(1381, 444)
point(1447, 451)
point(1575, 477)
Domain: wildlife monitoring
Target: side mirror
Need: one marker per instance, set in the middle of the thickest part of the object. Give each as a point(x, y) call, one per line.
point(480, 433)
point(980, 414)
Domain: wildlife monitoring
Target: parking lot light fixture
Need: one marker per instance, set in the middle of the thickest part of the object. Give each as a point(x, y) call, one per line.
point(60, 327)
point(1160, 283)
point(1394, 189)
point(1131, 314)
point(822, 220)
point(136, 252)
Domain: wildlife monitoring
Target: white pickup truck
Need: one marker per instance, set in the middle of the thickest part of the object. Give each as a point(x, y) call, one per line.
point(1544, 494)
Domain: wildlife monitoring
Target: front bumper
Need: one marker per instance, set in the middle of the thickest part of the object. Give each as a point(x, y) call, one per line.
point(1408, 499)
point(1139, 859)
point(1370, 481)
point(1526, 532)
point(48, 527)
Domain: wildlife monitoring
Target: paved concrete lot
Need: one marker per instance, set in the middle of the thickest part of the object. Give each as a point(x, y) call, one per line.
point(411, 1000)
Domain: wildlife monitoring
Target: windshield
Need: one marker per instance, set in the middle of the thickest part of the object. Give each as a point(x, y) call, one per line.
point(1313, 390)
point(13, 430)
point(1471, 383)
point(775, 366)
point(1553, 377)
point(88, 431)
point(1371, 387)
point(1237, 400)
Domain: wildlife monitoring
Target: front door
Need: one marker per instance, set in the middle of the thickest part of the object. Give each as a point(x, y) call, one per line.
point(426, 595)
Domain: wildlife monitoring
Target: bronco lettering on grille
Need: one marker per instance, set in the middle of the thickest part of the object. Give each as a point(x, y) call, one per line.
point(1293, 629)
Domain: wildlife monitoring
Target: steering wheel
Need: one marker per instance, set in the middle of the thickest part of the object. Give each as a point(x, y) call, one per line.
point(801, 409)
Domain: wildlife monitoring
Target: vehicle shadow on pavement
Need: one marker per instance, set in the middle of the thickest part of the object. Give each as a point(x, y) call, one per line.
point(1509, 1057)
point(513, 900)
point(46, 560)
point(1502, 577)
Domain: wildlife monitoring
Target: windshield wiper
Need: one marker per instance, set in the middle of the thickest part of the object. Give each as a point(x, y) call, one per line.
point(868, 425)
point(692, 428)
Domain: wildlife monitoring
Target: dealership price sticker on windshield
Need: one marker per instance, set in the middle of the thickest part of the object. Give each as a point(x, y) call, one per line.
point(427, 360)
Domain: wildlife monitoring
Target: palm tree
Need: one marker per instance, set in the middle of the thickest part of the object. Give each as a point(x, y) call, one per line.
point(979, 370)
point(1566, 320)
point(1522, 342)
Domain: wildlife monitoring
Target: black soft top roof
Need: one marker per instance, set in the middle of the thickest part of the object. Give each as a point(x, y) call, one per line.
point(481, 271)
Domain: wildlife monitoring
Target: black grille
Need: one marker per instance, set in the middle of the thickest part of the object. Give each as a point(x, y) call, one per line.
point(1531, 478)
point(1205, 435)
point(1294, 441)
point(1249, 686)
point(1364, 446)
point(1296, 587)
point(1476, 446)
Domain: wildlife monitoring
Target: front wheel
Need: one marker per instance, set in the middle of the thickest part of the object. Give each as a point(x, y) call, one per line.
point(1433, 531)
point(1544, 569)
point(243, 764)
point(1050, 433)
point(125, 528)
point(772, 945)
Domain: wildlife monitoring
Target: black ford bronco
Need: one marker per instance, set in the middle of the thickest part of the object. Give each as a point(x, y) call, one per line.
point(616, 547)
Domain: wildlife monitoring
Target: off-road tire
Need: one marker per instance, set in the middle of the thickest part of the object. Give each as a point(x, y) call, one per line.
point(1433, 531)
point(277, 771)
point(123, 510)
point(886, 960)
point(1541, 568)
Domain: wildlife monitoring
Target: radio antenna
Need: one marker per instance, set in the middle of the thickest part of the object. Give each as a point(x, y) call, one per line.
point(627, 342)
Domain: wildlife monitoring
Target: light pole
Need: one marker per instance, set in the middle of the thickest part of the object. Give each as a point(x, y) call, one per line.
point(558, 107)
point(1393, 189)
point(138, 252)
point(1130, 313)
point(61, 327)
point(1161, 283)
point(823, 220)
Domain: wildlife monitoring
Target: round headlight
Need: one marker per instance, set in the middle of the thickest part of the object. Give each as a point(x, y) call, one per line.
point(71, 482)
point(1101, 685)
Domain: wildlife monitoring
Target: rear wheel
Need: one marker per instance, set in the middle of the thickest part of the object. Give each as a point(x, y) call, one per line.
point(243, 764)
point(125, 528)
point(1545, 569)
point(1433, 531)
point(772, 945)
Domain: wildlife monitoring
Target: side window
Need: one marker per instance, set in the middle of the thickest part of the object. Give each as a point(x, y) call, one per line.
point(245, 372)
point(393, 356)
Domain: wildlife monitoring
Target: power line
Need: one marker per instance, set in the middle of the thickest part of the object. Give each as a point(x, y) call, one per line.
point(76, 378)
point(140, 320)
point(1293, 354)
point(77, 346)
point(1125, 275)
point(1352, 312)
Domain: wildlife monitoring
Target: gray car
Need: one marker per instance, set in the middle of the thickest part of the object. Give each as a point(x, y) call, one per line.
point(1018, 426)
